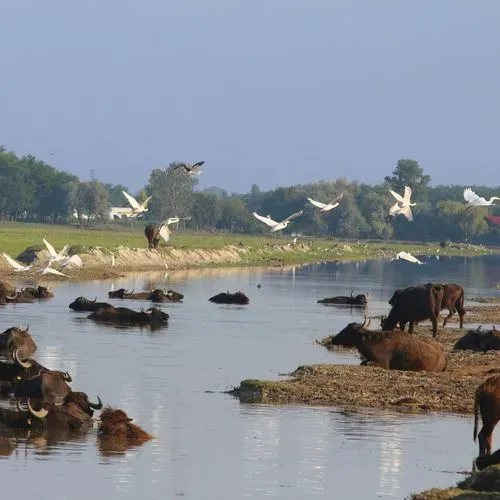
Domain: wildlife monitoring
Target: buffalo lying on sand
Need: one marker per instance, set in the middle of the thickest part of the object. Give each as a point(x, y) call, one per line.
point(230, 298)
point(414, 304)
point(124, 315)
point(83, 304)
point(479, 340)
point(393, 350)
point(358, 300)
point(19, 345)
point(487, 402)
point(156, 295)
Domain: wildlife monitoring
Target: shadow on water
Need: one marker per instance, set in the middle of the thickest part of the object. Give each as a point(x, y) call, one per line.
point(166, 383)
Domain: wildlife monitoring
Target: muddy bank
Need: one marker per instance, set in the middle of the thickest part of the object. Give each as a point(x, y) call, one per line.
point(351, 386)
point(480, 485)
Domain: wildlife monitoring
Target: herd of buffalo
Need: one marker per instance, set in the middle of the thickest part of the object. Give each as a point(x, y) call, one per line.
point(44, 399)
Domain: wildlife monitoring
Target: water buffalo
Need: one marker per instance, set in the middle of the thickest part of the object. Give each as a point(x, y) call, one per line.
point(152, 232)
point(124, 315)
point(39, 292)
point(83, 304)
point(453, 300)
point(413, 304)
point(49, 386)
point(116, 424)
point(6, 288)
point(230, 298)
point(358, 300)
point(486, 460)
point(14, 372)
point(479, 340)
point(487, 402)
point(19, 344)
point(393, 350)
point(156, 295)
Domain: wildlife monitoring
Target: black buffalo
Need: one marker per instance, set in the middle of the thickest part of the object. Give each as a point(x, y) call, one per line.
point(152, 232)
point(156, 295)
point(49, 386)
point(83, 304)
point(124, 315)
point(414, 304)
point(18, 344)
point(230, 298)
point(354, 300)
point(479, 340)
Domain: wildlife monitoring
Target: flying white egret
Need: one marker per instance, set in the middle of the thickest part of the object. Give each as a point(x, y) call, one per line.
point(325, 207)
point(403, 205)
point(136, 207)
point(73, 261)
point(54, 256)
point(51, 270)
point(407, 256)
point(191, 169)
point(277, 226)
point(17, 267)
point(477, 201)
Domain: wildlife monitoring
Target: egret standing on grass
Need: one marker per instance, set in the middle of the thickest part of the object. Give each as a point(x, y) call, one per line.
point(277, 226)
point(136, 207)
point(325, 207)
point(403, 204)
point(477, 201)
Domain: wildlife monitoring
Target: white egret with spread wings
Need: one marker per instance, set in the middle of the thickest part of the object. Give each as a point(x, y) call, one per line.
point(403, 204)
point(137, 208)
point(325, 207)
point(277, 226)
point(55, 256)
point(477, 201)
point(16, 265)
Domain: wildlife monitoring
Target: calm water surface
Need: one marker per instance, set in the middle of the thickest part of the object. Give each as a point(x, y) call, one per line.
point(208, 445)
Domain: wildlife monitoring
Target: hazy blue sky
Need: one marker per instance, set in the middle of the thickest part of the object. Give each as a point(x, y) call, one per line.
point(273, 92)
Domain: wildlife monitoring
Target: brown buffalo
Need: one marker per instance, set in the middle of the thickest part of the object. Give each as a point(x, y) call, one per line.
point(117, 431)
point(414, 304)
point(487, 402)
point(152, 232)
point(50, 387)
point(6, 288)
point(393, 350)
point(19, 344)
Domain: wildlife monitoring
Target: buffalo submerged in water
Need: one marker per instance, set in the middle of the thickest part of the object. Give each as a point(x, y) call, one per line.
point(230, 298)
point(359, 300)
point(84, 304)
point(124, 315)
point(156, 295)
point(18, 344)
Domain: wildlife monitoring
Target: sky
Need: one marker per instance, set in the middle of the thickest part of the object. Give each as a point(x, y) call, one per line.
point(267, 92)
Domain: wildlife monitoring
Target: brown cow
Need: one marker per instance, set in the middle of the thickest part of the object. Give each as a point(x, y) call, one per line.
point(152, 232)
point(414, 304)
point(487, 402)
point(393, 350)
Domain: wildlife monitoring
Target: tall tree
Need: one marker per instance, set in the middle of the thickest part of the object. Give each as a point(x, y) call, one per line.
point(409, 173)
point(91, 201)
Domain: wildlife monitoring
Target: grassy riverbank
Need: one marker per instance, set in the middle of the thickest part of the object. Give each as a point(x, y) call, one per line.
point(190, 250)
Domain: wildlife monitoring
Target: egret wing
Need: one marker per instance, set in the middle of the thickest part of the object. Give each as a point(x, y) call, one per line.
point(12, 262)
point(397, 196)
point(266, 220)
point(131, 200)
point(407, 195)
point(406, 211)
point(471, 197)
point(317, 203)
point(146, 201)
point(293, 216)
point(164, 233)
point(62, 252)
point(394, 209)
point(338, 199)
point(50, 248)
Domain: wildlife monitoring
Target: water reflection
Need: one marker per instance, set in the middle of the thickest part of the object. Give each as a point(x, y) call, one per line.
point(209, 445)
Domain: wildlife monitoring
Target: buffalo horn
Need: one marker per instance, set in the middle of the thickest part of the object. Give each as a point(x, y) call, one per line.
point(11, 297)
point(364, 322)
point(95, 300)
point(96, 406)
point(67, 377)
point(37, 413)
point(27, 327)
point(24, 364)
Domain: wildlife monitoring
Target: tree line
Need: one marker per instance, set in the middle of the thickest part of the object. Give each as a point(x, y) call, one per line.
point(32, 190)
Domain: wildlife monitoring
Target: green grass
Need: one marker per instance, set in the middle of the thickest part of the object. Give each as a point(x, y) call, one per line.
point(16, 237)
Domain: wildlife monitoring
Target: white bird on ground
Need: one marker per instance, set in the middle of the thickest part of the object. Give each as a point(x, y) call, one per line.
point(73, 261)
point(477, 201)
point(136, 207)
point(277, 226)
point(17, 267)
point(54, 256)
point(407, 256)
point(113, 260)
point(325, 207)
point(194, 169)
point(51, 270)
point(403, 205)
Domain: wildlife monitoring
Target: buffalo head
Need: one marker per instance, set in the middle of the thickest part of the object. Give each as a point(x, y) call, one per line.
point(349, 335)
